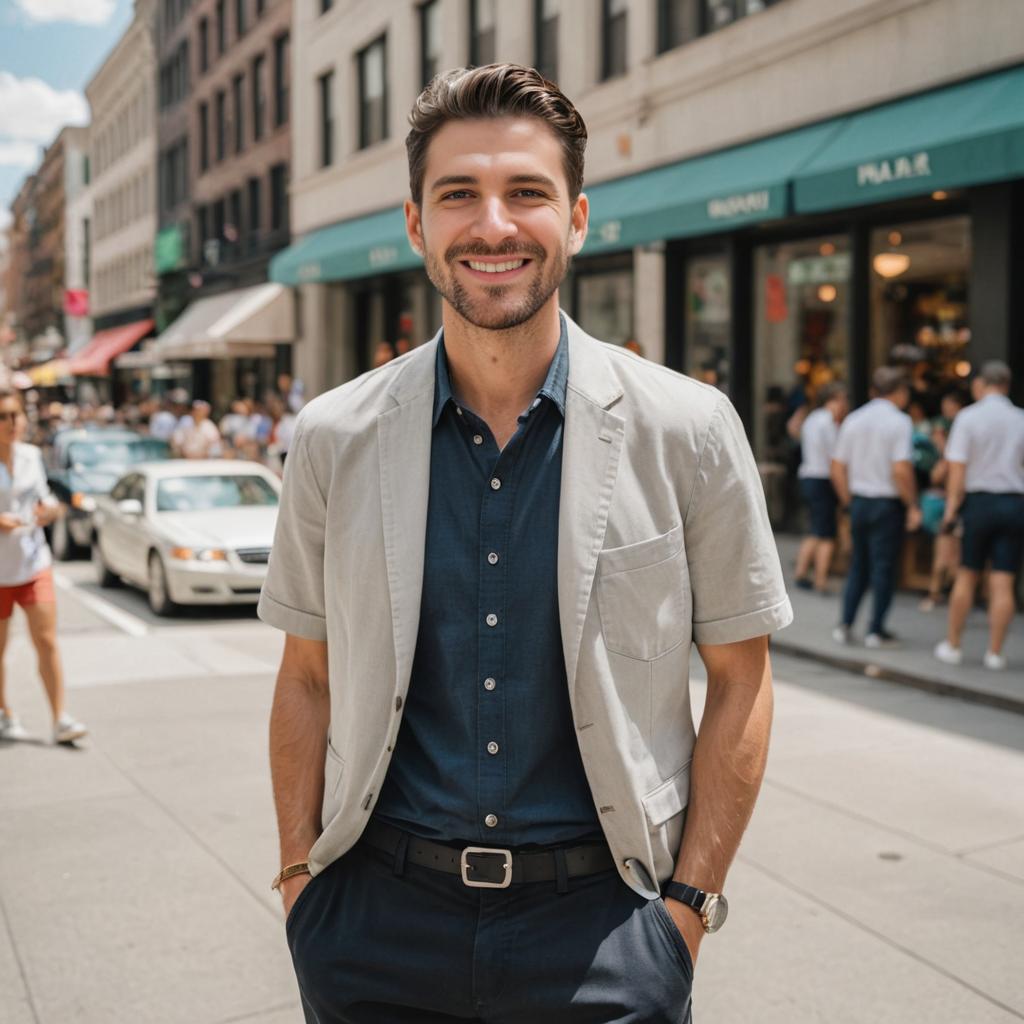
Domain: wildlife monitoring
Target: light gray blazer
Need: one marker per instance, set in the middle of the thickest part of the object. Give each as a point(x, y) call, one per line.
point(663, 541)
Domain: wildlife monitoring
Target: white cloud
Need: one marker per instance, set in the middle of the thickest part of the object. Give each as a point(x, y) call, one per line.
point(18, 154)
point(31, 110)
point(82, 12)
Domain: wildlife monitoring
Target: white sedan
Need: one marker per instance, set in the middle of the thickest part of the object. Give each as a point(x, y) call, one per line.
point(188, 531)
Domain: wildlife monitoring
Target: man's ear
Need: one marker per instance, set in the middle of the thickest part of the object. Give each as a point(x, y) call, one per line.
point(579, 222)
point(414, 227)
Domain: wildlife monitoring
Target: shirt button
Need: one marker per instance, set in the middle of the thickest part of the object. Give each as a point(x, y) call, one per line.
point(491, 820)
point(495, 484)
point(492, 619)
point(478, 439)
point(458, 410)
point(492, 747)
point(490, 684)
point(493, 558)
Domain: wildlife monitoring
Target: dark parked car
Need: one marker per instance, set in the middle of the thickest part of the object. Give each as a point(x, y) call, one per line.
point(83, 464)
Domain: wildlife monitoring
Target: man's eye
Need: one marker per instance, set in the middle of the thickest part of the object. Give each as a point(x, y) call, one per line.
point(459, 194)
point(531, 193)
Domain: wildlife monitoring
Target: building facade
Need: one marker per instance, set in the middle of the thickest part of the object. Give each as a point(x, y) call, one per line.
point(783, 192)
point(77, 238)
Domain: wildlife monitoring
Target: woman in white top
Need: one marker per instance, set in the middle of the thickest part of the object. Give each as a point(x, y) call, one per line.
point(818, 435)
point(26, 579)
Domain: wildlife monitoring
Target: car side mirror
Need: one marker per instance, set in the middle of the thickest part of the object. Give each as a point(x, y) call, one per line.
point(130, 507)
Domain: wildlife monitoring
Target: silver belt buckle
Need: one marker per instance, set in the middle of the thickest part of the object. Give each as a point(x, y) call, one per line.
point(494, 851)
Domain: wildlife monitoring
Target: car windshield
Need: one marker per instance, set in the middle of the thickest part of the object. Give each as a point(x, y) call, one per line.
point(84, 454)
point(199, 493)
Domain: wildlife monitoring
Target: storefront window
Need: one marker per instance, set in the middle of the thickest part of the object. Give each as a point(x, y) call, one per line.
point(801, 295)
point(604, 304)
point(919, 303)
point(708, 322)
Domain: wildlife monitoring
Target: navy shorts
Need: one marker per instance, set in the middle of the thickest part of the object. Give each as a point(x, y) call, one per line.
point(820, 499)
point(374, 941)
point(993, 530)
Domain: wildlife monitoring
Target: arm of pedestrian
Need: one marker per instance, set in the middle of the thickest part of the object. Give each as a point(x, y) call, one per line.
point(956, 489)
point(840, 482)
point(726, 771)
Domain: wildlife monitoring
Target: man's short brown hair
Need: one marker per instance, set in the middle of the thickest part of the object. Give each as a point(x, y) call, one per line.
point(887, 380)
point(496, 90)
point(996, 374)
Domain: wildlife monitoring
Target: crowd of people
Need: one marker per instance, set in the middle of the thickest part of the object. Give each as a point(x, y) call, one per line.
point(958, 476)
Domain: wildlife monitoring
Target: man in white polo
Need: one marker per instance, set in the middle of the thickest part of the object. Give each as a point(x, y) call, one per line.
point(985, 452)
point(873, 474)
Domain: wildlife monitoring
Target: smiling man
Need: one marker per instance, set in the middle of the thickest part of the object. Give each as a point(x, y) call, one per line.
point(492, 560)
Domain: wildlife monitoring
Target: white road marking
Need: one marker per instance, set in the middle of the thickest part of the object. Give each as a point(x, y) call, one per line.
point(124, 621)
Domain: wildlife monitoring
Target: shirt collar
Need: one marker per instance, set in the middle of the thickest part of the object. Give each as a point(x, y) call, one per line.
point(554, 387)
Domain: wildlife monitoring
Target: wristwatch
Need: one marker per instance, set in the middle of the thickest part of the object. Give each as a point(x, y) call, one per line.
point(712, 907)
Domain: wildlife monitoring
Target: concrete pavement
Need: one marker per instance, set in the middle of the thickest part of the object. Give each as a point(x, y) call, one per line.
point(881, 880)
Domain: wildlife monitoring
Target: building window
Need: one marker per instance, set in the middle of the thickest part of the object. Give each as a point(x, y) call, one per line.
point(261, 7)
point(203, 224)
point(326, 5)
point(373, 97)
point(240, 22)
point(222, 27)
point(86, 251)
point(545, 22)
point(221, 126)
point(238, 97)
point(281, 78)
point(679, 22)
point(259, 97)
point(717, 14)
point(204, 45)
point(204, 136)
point(708, 319)
point(255, 200)
point(614, 14)
point(233, 229)
point(326, 86)
point(279, 197)
point(481, 32)
point(430, 40)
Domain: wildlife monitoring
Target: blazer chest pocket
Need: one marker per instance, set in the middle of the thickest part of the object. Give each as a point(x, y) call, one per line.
point(642, 596)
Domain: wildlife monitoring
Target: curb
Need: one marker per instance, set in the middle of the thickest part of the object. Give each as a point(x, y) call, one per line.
point(891, 675)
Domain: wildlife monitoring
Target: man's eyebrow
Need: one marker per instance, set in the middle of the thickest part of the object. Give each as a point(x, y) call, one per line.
point(516, 179)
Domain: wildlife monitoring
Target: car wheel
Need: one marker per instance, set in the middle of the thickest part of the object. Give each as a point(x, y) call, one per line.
point(64, 547)
point(159, 600)
point(104, 577)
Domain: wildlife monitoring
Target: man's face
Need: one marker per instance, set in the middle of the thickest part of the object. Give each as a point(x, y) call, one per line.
point(495, 196)
point(10, 410)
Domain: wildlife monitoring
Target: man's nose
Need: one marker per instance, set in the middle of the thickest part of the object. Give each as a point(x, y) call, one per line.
point(494, 223)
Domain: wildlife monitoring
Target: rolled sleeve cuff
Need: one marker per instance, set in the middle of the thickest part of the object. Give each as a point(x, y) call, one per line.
point(291, 620)
point(746, 626)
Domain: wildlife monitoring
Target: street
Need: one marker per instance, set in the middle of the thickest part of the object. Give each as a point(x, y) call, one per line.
point(882, 878)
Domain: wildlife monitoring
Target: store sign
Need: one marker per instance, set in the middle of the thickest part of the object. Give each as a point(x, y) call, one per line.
point(610, 232)
point(820, 269)
point(882, 172)
point(383, 255)
point(169, 250)
point(76, 302)
point(309, 272)
point(741, 205)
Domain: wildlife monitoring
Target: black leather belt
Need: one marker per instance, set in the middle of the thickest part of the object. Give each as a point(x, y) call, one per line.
point(491, 867)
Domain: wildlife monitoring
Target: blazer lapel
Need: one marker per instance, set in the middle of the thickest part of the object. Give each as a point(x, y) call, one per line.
point(404, 437)
point(591, 448)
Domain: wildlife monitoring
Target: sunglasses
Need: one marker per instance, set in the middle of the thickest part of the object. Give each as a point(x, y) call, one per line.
point(12, 416)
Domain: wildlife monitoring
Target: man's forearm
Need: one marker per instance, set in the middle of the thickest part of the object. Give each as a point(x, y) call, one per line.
point(299, 722)
point(725, 777)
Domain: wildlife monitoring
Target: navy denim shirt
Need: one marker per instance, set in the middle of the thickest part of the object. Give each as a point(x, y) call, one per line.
point(487, 749)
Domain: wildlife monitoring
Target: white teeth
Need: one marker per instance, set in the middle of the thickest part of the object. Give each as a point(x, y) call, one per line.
point(496, 268)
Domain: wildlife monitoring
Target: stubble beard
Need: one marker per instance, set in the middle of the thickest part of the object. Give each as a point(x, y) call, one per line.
point(490, 313)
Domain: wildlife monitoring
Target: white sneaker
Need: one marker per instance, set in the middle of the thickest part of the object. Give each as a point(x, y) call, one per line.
point(842, 635)
point(946, 652)
point(883, 638)
point(11, 727)
point(993, 661)
point(67, 730)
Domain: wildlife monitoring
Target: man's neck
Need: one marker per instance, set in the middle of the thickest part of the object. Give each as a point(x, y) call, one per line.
point(497, 373)
point(6, 452)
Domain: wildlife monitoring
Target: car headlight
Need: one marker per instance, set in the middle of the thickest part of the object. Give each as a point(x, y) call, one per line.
point(83, 502)
point(199, 554)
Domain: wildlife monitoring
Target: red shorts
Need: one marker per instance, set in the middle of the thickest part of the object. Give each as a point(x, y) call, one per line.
point(38, 590)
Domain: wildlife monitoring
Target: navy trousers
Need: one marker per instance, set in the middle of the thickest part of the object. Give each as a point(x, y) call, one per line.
point(876, 526)
point(376, 941)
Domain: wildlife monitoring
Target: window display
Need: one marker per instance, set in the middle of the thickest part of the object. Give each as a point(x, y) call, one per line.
point(708, 337)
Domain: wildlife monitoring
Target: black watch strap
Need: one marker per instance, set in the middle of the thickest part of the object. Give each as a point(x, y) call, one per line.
point(687, 894)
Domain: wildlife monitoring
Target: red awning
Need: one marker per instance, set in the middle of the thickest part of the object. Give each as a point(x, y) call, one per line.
point(94, 359)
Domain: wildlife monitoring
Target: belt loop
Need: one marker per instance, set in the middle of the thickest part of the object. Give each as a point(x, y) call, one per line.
point(561, 871)
point(398, 868)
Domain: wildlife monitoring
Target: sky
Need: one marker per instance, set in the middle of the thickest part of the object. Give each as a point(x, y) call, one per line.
point(49, 49)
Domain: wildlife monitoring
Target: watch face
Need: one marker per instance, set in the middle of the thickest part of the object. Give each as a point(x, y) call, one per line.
point(716, 912)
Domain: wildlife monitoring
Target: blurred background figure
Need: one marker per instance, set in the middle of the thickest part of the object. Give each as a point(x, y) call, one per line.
point(199, 438)
point(382, 354)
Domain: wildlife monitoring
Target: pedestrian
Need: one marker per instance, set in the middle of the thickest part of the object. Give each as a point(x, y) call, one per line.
point(985, 453)
point(164, 422)
point(873, 474)
point(945, 541)
point(199, 438)
point(492, 558)
point(818, 435)
point(26, 577)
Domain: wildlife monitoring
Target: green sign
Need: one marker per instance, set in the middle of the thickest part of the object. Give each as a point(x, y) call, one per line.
point(169, 251)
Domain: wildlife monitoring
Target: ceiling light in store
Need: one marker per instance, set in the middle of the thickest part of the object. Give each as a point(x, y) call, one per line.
point(939, 196)
point(963, 368)
point(891, 264)
point(895, 238)
point(827, 249)
point(827, 293)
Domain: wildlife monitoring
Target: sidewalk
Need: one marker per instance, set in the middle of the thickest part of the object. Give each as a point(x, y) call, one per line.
point(912, 663)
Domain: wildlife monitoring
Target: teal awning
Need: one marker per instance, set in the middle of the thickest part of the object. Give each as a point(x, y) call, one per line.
point(375, 244)
point(716, 192)
point(966, 134)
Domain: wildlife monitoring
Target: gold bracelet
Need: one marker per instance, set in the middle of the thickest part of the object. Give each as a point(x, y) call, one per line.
point(302, 868)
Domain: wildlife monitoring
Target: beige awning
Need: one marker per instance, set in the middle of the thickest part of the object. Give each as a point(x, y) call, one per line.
point(245, 323)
